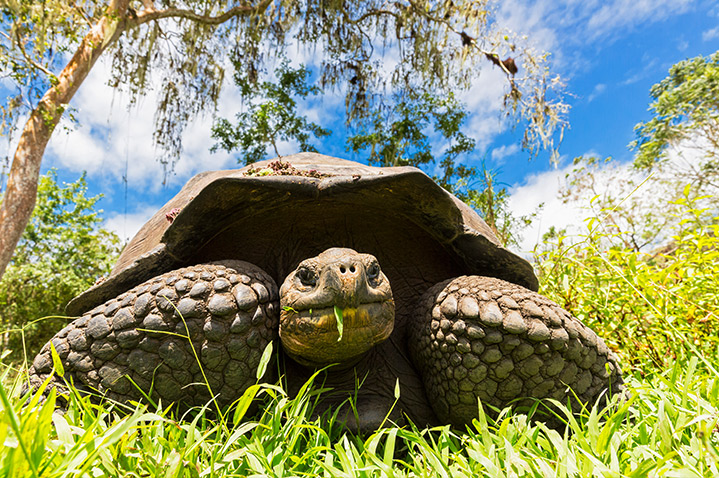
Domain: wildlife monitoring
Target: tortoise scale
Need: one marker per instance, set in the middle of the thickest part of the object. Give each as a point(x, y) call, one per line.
point(383, 275)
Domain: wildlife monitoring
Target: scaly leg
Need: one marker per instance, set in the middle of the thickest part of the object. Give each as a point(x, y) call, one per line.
point(481, 337)
point(226, 311)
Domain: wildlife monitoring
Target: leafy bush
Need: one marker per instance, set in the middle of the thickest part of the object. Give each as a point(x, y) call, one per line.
point(653, 307)
point(62, 252)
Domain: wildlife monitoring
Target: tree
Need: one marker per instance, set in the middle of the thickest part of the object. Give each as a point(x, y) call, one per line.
point(437, 44)
point(271, 115)
point(638, 209)
point(62, 252)
point(686, 122)
point(397, 133)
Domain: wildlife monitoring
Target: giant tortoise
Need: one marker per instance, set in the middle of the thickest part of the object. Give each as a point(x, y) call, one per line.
point(387, 281)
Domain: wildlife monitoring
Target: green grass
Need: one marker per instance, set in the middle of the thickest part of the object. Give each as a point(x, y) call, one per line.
point(667, 428)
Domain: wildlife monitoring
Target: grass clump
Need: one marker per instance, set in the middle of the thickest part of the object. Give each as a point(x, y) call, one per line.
point(667, 428)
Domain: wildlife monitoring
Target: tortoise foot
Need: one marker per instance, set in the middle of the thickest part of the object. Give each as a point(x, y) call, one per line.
point(484, 338)
point(181, 337)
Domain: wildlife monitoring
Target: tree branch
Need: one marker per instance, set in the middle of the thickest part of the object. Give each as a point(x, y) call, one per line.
point(150, 14)
point(32, 62)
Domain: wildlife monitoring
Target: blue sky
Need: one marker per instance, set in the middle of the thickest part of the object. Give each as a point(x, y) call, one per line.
point(610, 52)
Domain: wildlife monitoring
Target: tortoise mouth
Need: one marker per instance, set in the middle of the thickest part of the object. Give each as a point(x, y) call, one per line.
point(329, 335)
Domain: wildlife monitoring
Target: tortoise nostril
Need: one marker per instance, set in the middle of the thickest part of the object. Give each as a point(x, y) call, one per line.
point(342, 269)
point(352, 268)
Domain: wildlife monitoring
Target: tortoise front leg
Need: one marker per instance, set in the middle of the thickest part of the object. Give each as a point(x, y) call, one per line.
point(172, 336)
point(481, 337)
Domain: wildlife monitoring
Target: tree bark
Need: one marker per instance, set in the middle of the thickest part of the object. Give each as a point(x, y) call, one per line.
point(19, 200)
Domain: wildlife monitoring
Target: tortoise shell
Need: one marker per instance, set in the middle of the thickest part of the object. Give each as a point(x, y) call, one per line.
point(420, 233)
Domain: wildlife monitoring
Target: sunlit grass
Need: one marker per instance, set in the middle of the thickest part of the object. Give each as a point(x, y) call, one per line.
point(668, 427)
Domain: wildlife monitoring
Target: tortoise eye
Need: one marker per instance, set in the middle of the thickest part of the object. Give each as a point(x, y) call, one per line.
point(373, 271)
point(307, 276)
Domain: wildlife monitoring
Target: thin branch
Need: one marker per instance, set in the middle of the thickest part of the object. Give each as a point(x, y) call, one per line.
point(153, 14)
point(32, 62)
point(82, 13)
point(373, 13)
point(467, 41)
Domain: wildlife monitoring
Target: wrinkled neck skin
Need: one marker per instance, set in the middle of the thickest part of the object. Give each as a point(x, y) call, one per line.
point(363, 396)
point(334, 308)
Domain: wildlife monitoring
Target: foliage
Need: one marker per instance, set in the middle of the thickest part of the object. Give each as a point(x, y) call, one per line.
point(178, 50)
point(685, 122)
point(397, 132)
point(655, 307)
point(667, 428)
point(62, 252)
point(271, 115)
point(34, 38)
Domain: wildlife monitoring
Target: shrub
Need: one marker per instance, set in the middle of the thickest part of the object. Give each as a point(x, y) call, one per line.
point(653, 307)
point(62, 252)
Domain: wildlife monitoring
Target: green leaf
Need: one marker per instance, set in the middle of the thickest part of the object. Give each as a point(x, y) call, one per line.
point(56, 361)
point(244, 402)
point(340, 322)
point(264, 360)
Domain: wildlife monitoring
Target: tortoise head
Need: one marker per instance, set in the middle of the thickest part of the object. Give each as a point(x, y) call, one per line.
point(335, 307)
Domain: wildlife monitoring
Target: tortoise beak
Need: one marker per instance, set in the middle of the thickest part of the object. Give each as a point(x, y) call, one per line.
point(347, 279)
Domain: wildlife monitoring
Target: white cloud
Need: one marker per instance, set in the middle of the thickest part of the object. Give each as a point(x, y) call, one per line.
point(599, 88)
point(620, 15)
point(647, 66)
point(111, 142)
point(127, 225)
point(711, 34)
point(499, 155)
point(484, 101)
point(543, 188)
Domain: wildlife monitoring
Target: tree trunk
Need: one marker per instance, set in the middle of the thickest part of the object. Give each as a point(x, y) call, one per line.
point(19, 201)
